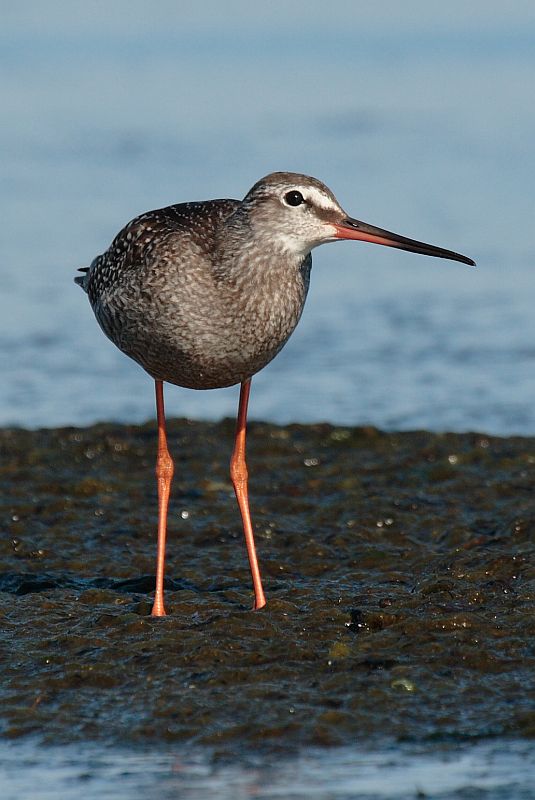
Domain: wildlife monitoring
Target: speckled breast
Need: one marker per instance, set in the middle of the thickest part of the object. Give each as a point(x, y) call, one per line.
point(189, 335)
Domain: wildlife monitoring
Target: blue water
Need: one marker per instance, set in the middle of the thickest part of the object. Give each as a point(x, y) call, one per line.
point(419, 117)
point(501, 771)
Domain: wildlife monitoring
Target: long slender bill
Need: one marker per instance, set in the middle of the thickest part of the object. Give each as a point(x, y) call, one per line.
point(354, 229)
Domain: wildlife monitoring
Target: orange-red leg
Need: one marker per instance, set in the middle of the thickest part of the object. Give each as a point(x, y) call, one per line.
point(239, 475)
point(164, 476)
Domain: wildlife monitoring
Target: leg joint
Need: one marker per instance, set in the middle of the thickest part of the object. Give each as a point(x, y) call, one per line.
point(164, 465)
point(238, 471)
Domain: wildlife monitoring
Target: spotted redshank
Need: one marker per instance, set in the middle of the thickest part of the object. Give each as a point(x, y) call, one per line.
point(205, 294)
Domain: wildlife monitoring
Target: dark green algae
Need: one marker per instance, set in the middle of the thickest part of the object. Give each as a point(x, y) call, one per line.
point(398, 571)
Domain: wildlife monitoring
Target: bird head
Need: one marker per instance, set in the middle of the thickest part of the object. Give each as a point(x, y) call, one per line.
point(296, 213)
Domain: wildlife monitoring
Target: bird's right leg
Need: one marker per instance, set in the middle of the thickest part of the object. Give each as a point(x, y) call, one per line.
point(164, 476)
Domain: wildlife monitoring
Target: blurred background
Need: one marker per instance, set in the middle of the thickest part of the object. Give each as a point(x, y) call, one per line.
point(419, 116)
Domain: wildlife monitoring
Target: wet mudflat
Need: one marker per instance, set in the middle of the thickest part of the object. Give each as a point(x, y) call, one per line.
point(398, 570)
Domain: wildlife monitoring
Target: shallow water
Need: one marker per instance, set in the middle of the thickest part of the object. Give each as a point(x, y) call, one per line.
point(417, 119)
point(398, 570)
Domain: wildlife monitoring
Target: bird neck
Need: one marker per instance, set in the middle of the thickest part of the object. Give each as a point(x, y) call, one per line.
point(245, 252)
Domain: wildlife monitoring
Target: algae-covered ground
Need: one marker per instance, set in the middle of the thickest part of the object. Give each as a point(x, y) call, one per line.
point(398, 570)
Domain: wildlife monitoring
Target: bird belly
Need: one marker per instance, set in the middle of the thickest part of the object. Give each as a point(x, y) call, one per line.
point(198, 351)
point(177, 360)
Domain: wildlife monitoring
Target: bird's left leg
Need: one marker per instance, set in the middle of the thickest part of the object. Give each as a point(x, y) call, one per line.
point(239, 475)
point(164, 476)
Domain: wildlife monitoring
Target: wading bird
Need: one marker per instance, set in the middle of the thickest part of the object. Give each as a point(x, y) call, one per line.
point(205, 294)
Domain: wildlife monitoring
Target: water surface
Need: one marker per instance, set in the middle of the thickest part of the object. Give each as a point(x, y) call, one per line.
point(406, 773)
point(416, 118)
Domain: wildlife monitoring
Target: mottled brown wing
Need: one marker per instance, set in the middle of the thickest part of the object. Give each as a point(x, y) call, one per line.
point(158, 229)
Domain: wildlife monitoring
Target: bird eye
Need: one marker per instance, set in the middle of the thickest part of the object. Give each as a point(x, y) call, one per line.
point(294, 198)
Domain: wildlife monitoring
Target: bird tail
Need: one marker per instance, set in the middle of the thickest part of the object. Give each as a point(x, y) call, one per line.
point(81, 280)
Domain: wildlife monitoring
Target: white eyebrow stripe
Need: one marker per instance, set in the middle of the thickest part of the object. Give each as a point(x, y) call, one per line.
point(318, 198)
